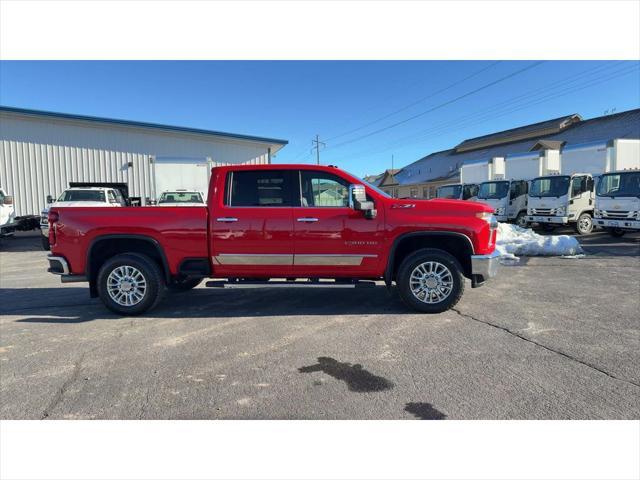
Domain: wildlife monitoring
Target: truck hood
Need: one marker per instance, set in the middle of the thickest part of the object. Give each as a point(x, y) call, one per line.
point(547, 202)
point(440, 206)
point(618, 203)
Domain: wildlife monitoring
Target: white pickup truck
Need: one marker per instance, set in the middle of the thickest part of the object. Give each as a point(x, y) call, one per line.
point(80, 197)
point(181, 198)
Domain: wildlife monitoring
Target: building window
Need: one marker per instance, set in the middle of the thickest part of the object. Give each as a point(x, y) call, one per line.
point(413, 193)
point(425, 192)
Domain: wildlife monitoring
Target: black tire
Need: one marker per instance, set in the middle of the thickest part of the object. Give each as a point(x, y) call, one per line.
point(182, 285)
point(409, 264)
point(616, 232)
point(155, 287)
point(584, 224)
point(521, 220)
point(45, 243)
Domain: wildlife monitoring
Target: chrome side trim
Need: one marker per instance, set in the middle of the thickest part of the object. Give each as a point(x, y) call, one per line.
point(330, 260)
point(286, 259)
point(253, 259)
point(226, 219)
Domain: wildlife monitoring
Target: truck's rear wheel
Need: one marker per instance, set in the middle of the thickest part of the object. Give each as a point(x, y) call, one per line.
point(130, 284)
point(584, 225)
point(616, 232)
point(430, 280)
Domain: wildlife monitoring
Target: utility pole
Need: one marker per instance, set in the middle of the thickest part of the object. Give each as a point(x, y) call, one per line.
point(316, 146)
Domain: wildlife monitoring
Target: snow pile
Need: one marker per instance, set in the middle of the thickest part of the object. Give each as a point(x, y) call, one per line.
point(513, 240)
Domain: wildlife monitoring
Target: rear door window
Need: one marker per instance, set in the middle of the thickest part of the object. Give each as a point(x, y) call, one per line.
point(260, 188)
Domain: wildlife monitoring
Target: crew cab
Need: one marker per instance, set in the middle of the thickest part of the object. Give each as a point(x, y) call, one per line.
point(277, 226)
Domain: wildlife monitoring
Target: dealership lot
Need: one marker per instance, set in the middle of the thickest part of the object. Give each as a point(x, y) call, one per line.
point(551, 338)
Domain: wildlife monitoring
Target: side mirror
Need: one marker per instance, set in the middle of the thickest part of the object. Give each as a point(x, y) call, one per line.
point(8, 200)
point(358, 201)
point(49, 199)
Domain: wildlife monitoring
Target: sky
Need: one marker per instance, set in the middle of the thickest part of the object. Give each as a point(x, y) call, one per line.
point(365, 112)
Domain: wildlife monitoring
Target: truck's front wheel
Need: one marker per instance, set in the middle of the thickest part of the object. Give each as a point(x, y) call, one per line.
point(430, 280)
point(130, 284)
point(584, 224)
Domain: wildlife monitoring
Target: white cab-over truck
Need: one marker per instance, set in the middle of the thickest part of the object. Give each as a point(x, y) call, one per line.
point(507, 193)
point(617, 203)
point(458, 191)
point(80, 197)
point(568, 198)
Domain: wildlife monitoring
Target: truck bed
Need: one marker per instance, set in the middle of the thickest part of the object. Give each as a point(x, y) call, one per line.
point(181, 231)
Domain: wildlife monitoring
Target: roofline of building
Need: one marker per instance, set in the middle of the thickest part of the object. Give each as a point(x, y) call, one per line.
point(132, 123)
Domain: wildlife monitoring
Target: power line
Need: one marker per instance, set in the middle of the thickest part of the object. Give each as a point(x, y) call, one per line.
point(416, 102)
point(434, 131)
point(441, 105)
point(513, 100)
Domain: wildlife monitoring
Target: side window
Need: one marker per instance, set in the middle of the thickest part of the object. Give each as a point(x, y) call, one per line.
point(259, 188)
point(576, 186)
point(111, 196)
point(513, 192)
point(320, 189)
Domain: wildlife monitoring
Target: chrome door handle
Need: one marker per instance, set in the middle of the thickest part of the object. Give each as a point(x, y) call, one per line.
point(307, 219)
point(227, 219)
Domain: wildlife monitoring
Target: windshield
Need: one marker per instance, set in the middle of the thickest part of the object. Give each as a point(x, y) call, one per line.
point(619, 185)
point(82, 196)
point(180, 197)
point(449, 191)
point(493, 190)
point(549, 186)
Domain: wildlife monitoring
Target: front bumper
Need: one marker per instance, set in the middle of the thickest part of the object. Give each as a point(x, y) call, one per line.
point(484, 267)
point(501, 218)
point(45, 230)
point(551, 219)
point(622, 223)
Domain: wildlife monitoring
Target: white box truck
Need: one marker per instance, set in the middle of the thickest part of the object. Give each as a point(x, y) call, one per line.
point(508, 195)
point(471, 175)
point(182, 174)
point(569, 197)
point(617, 202)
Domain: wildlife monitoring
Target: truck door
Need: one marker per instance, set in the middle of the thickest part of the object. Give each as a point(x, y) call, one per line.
point(581, 195)
point(252, 224)
point(330, 237)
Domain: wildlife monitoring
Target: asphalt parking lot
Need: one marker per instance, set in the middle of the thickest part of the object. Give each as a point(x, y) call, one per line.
point(551, 338)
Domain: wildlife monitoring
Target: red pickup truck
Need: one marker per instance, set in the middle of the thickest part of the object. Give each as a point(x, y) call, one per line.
point(273, 226)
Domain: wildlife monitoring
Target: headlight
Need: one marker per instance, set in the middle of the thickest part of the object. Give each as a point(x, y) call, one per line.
point(489, 218)
point(500, 211)
point(596, 212)
point(560, 211)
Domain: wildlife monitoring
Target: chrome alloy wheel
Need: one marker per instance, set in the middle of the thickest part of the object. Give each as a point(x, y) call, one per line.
point(585, 223)
point(126, 285)
point(431, 282)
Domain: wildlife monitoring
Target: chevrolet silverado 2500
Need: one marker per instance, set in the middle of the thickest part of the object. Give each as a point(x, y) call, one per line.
point(310, 226)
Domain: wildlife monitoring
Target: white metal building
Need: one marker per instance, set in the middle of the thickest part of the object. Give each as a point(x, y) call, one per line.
point(41, 152)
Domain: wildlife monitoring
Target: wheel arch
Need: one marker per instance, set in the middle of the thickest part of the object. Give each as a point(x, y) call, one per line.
point(104, 247)
point(458, 244)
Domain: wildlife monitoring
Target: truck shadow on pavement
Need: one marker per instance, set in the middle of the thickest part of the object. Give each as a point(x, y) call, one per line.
point(73, 305)
point(357, 378)
point(424, 411)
